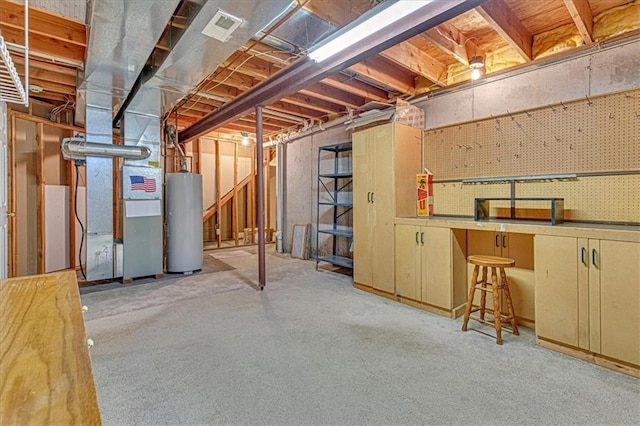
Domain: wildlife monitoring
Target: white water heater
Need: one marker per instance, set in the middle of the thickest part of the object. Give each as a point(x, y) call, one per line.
point(183, 194)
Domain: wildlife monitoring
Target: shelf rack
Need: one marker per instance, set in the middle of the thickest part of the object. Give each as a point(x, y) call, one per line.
point(334, 183)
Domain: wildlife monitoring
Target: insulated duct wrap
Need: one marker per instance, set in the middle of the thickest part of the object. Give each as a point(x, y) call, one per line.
point(99, 229)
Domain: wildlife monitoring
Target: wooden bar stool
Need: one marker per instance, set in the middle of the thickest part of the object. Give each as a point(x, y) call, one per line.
point(494, 287)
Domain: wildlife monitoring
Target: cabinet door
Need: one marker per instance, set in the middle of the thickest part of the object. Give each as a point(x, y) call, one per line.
point(383, 210)
point(556, 295)
point(619, 264)
point(408, 261)
point(362, 171)
point(519, 247)
point(437, 267)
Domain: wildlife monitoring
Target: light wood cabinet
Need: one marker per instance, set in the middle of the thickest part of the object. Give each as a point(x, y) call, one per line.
point(430, 267)
point(386, 159)
point(515, 246)
point(588, 295)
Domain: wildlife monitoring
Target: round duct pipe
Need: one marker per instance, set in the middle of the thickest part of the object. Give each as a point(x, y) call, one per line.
point(77, 149)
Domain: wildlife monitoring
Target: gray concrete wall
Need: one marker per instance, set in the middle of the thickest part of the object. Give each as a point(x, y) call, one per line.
point(302, 186)
point(601, 72)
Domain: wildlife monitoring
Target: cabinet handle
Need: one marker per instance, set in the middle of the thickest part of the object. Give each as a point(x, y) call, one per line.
point(497, 240)
point(372, 200)
point(584, 256)
point(593, 257)
point(504, 241)
point(417, 237)
point(422, 238)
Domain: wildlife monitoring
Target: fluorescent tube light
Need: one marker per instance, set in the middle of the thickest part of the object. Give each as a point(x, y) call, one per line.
point(366, 28)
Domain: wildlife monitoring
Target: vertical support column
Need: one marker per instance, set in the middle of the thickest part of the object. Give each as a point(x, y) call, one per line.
point(235, 193)
point(252, 186)
point(40, 201)
point(99, 186)
point(71, 180)
point(218, 197)
point(13, 204)
point(281, 161)
point(267, 169)
point(260, 198)
point(197, 153)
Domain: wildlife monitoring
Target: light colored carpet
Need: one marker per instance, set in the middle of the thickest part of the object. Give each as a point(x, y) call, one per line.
point(311, 349)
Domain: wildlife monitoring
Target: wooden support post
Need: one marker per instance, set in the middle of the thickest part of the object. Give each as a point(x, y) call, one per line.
point(262, 273)
point(71, 181)
point(267, 168)
point(13, 204)
point(197, 153)
point(252, 186)
point(235, 193)
point(40, 201)
point(217, 229)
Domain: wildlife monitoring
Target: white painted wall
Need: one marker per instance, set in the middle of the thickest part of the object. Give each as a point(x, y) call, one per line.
point(600, 72)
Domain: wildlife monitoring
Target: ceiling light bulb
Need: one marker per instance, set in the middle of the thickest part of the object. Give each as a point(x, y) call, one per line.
point(245, 139)
point(476, 74)
point(476, 62)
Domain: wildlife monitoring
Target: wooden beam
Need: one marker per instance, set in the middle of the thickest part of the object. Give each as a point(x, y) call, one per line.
point(450, 40)
point(331, 94)
point(287, 108)
point(40, 200)
point(580, 12)
point(326, 107)
point(413, 59)
point(27, 117)
point(505, 23)
point(43, 23)
point(356, 87)
point(43, 44)
point(385, 74)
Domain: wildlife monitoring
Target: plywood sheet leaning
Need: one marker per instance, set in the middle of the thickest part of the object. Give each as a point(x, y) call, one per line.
point(300, 241)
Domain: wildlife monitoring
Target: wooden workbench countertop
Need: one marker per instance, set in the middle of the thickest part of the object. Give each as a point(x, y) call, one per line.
point(567, 229)
point(45, 368)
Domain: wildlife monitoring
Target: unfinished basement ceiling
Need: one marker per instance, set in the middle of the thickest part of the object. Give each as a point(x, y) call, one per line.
point(508, 34)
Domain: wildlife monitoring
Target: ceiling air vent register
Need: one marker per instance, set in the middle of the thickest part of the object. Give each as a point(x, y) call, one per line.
point(221, 26)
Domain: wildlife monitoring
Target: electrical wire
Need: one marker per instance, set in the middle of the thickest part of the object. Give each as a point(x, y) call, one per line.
point(75, 208)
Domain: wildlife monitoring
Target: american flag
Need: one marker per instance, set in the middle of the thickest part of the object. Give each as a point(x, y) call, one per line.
point(141, 183)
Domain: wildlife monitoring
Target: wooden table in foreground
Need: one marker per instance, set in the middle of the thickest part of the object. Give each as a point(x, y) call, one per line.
point(45, 368)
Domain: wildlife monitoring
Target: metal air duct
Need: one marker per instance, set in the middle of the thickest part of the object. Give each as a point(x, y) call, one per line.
point(195, 55)
point(79, 149)
point(122, 35)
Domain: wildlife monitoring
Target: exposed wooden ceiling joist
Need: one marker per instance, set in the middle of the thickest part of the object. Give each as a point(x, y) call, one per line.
point(413, 59)
point(505, 22)
point(580, 12)
point(449, 39)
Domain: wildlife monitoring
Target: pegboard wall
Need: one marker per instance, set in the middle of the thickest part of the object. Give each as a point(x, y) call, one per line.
point(600, 134)
point(597, 198)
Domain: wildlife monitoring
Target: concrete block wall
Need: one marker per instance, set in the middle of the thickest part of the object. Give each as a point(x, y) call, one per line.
point(603, 71)
point(302, 184)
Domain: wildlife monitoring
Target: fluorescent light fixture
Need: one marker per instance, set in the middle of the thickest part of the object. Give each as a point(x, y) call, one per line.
point(476, 74)
point(366, 28)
